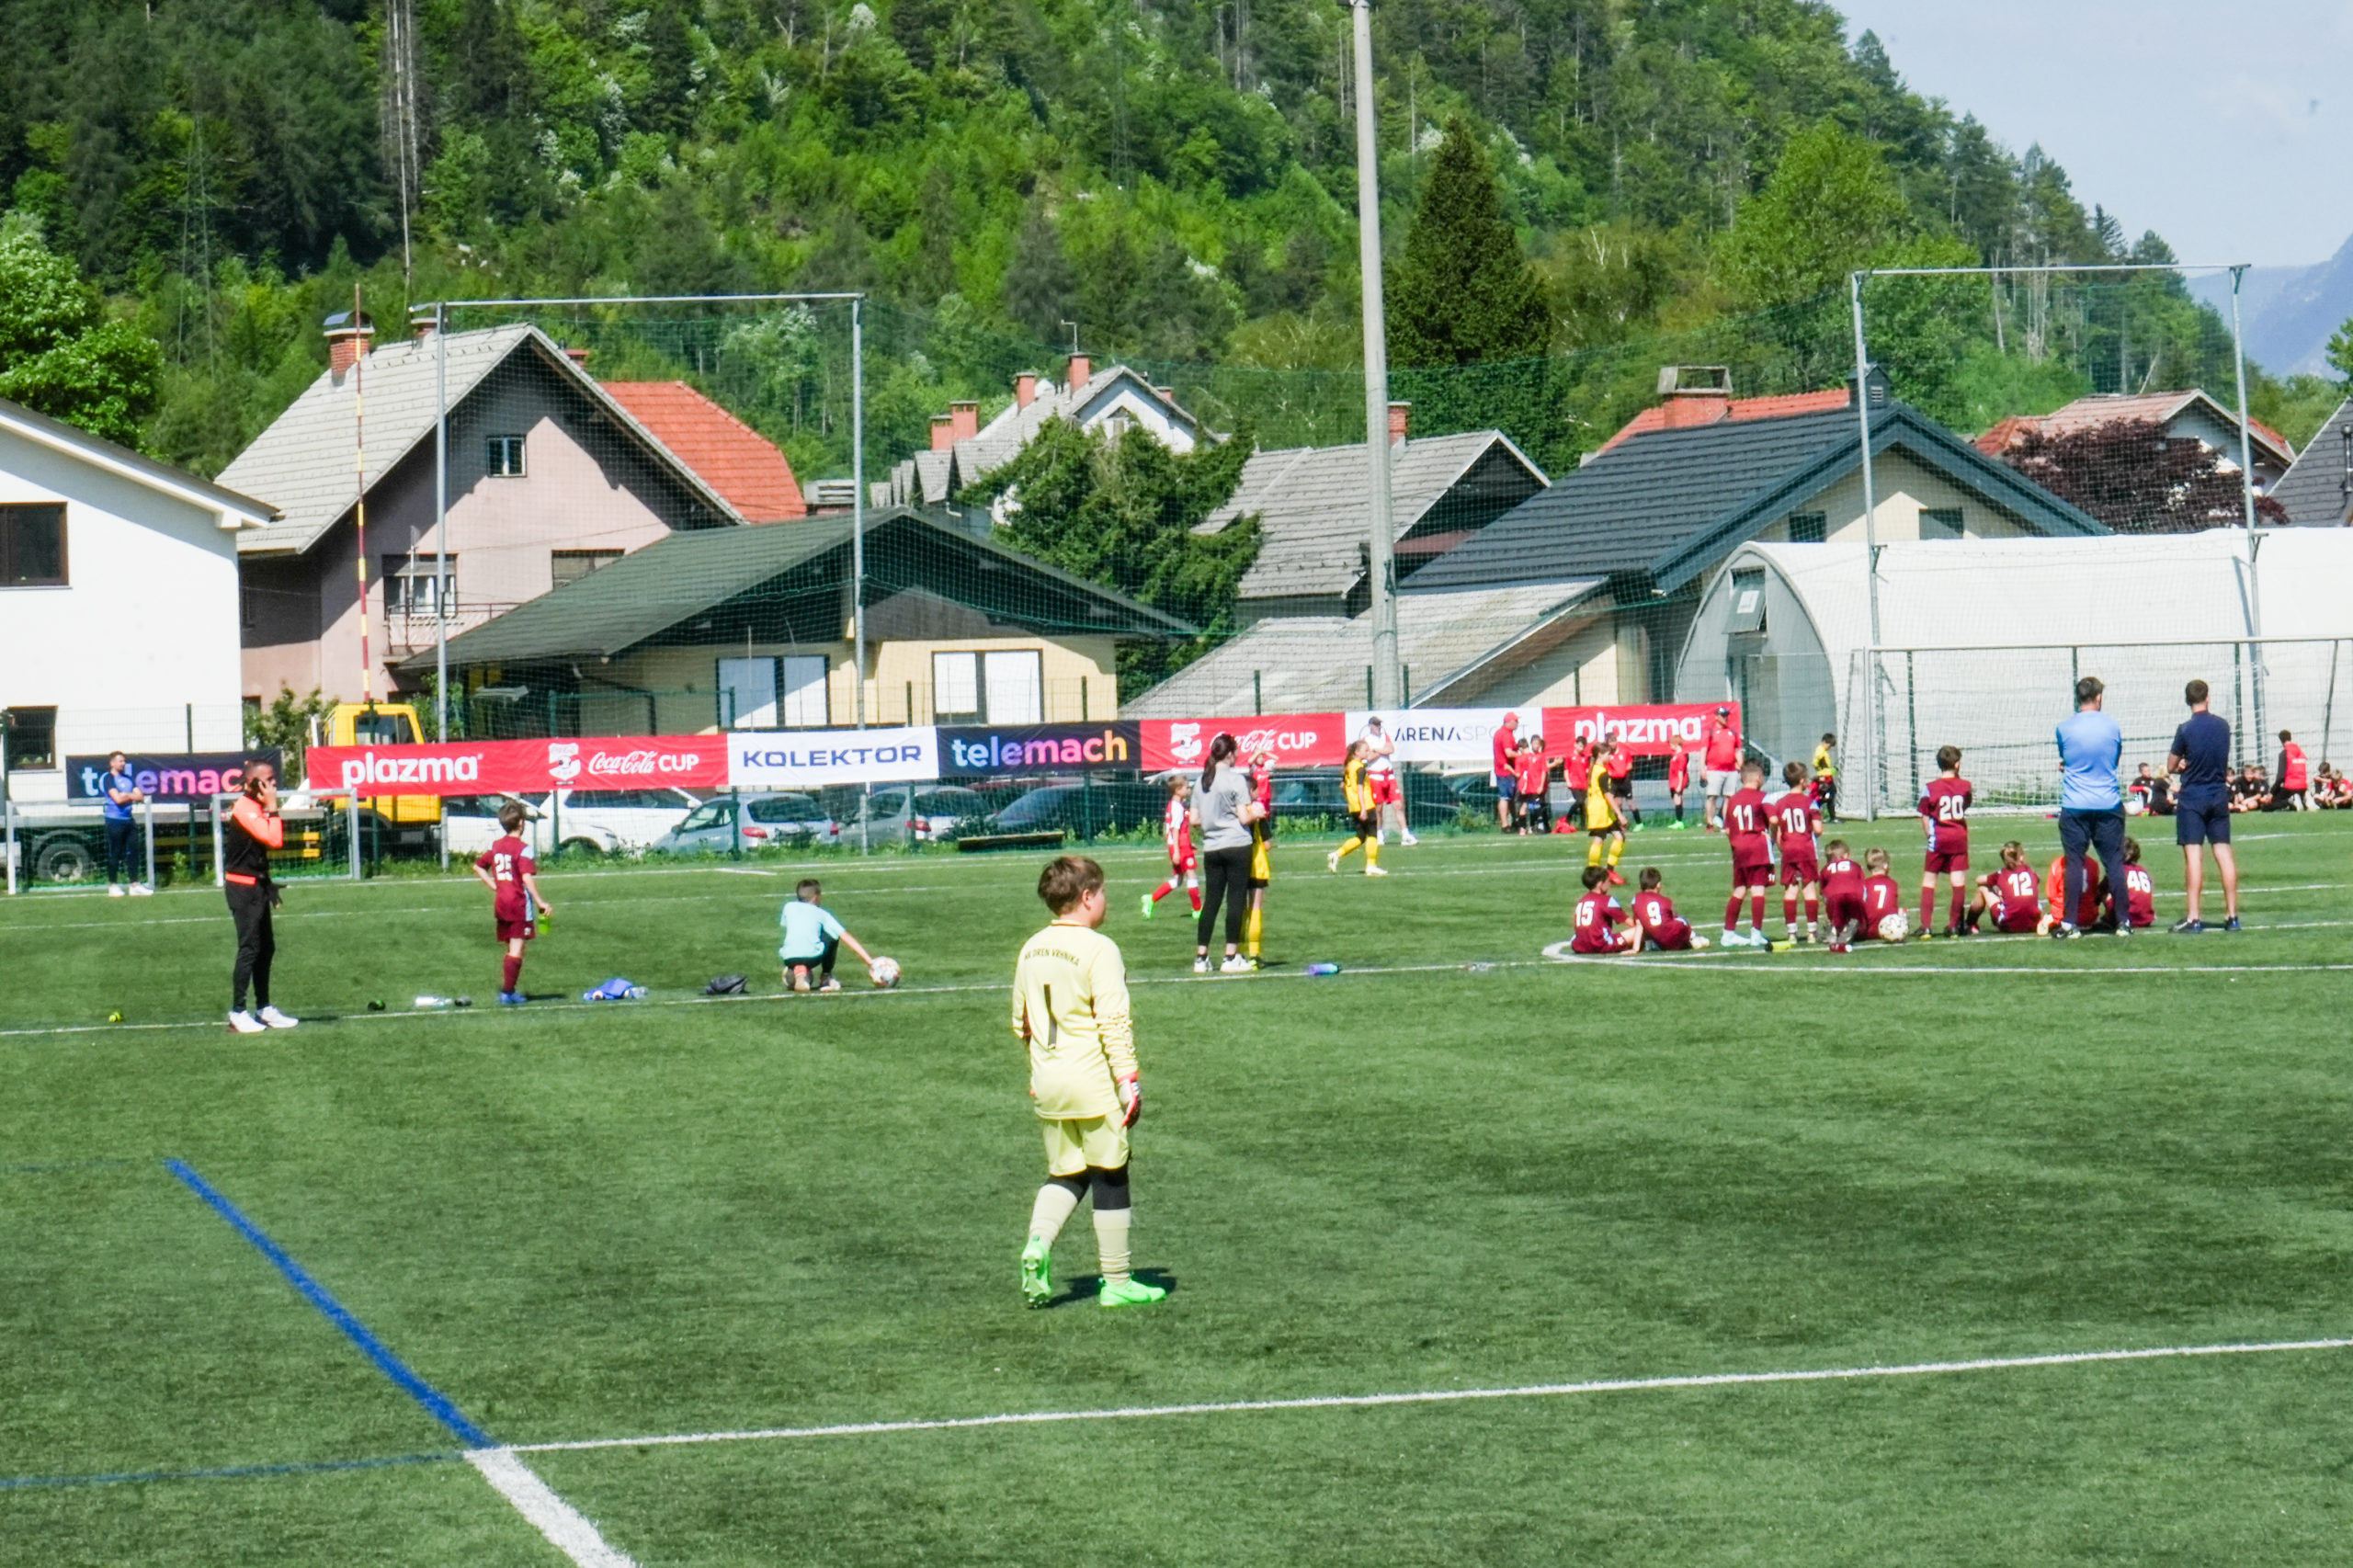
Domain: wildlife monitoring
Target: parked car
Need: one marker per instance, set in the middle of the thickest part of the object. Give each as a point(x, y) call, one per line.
point(593, 822)
point(1082, 810)
point(896, 814)
point(1430, 802)
point(726, 822)
point(470, 824)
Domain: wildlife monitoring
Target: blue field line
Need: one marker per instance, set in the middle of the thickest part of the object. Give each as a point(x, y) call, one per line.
point(219, 1473)
point(436, 1403)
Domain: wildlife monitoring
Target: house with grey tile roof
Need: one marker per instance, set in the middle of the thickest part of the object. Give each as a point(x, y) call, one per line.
point(549, 478)
point(2317, 490)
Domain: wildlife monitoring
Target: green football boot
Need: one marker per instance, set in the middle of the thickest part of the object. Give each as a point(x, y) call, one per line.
point(1147, 906)
point(1129, 1293)
point(1037, 1265)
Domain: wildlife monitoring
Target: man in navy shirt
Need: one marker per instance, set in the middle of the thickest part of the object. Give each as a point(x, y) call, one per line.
point(2202, 754)
point(2091, 802)
point(119, 792)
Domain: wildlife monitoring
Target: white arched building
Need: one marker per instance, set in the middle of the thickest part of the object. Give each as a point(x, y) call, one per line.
point(1979, 644)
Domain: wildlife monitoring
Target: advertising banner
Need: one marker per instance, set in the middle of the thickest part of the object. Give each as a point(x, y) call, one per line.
point(1438, 734)
point(520, 767)
point(180, 777)
point(1297, 740)
point(1652, 729)
point(806, 760)
point(997, 751)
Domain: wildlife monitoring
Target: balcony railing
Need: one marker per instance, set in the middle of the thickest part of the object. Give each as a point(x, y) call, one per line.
point(413, 631)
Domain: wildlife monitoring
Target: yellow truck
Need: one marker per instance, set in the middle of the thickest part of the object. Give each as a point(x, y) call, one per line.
point(405, 820)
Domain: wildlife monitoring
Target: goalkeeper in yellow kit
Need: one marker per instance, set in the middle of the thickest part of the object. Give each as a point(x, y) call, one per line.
point(1069, 1006)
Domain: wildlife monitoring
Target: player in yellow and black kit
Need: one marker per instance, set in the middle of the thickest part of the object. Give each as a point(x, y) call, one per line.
point(1262, 850)
point(1604, 831)
point(1070, 1005)
point(1364, 814)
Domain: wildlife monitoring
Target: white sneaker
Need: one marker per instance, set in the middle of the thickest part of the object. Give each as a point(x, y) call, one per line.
point(140, 889)
point(1375, 872)
point(277, 1019)
point(1200, 966)
point(1237, 964)
point(1332, 861)
point(113, 890)
point(1407, 839)
point(245, 1023)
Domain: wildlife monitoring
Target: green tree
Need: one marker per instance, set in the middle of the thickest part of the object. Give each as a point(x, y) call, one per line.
point(2340, 350)
point(1832, 206)
point(1462, 292)
point(60, 355)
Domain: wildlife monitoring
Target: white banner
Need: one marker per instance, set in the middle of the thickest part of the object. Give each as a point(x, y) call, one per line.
point(803, 759)
point(1443, 734)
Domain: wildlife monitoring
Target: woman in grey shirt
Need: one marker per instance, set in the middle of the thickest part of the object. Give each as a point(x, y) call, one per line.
point(1223, 811)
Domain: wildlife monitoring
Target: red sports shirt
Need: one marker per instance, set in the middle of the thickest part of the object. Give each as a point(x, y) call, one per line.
point(509, 862)
point(2095, 889)
point(1723, 746)
point(2140, 895)
point(1507, 743)
point(1654, 912)
point(1622, 763)
point(1174, 831)
point(1945, 802)
point(1596, 927)
point(1882, 898)
point(1746, 818)
point(1842, 877)
point(1533, 767)
point(1578, 768)
point(1678, 768)
point(2014, 890)
point(1797, 816)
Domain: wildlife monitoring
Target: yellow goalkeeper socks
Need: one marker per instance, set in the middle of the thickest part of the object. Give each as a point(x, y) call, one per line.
point(1111, 1243)
point(1372, 852)
point(1055, 1204)
point(1251, 927)
point(1592, 852)
point(1351, 846)
point(1616, 847)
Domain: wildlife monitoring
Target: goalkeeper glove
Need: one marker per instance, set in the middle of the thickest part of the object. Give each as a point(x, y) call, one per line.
point(1131, 1101)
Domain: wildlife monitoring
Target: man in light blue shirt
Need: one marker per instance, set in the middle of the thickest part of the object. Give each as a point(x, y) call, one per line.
point(2091, 806)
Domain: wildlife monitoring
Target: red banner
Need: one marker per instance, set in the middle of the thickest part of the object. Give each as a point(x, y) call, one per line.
point(1651, 729)
point(518, 768)
point(1297, 740)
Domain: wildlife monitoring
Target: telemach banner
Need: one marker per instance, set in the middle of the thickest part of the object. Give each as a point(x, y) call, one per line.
point(1652, 729)
point(180, 777)
point(999, 751)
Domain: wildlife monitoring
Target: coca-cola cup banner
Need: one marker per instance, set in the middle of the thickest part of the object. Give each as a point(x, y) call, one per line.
point(1649, 729)
point(1297, 740)
point(519, 767)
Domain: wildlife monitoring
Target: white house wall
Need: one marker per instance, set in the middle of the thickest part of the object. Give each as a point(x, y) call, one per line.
point(1906, 489)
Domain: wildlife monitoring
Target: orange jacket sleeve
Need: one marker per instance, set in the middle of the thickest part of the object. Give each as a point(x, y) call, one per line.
point(265, 828)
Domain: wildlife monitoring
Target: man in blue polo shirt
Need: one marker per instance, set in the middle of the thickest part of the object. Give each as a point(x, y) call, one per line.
point(2202, 754)
point(120, 792)
point(2091, 805)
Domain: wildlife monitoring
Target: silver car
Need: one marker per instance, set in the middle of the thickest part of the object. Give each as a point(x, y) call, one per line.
point(728, 823)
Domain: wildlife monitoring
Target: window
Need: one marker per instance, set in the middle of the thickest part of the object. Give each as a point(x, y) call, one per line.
point(1940, 522)
point(411, 586)
point(1747, 602)
point(1809, 528)
point(32, 546)
point(570, 565)
point(710, 815)
point(32, 738)
point(806, 706)
point(747, 693)
point(1017, 686)
point(503, 457)
point(956, 687)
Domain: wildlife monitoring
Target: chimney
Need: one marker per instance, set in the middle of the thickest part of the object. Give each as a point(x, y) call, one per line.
point(1695, 394)
point(1025, 389)
point(348, 333)
point(577, 355)
point(1166, 394)
point(964, 419)
point(1082, 371)
point(1401, 416)
point(421, 325)
point(943, 432)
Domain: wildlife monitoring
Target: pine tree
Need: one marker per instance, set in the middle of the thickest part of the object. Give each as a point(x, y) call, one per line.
point(1462, 292)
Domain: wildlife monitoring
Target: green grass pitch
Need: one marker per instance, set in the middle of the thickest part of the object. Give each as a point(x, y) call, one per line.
point(678, 1216)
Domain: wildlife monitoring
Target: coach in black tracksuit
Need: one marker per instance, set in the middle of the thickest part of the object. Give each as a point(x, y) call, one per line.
point(253, 830)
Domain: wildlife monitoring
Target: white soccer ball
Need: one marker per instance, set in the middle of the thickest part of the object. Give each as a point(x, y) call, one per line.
point(883, 971)
point(2134, 805)
point(1894, 927)
point(1699, 943)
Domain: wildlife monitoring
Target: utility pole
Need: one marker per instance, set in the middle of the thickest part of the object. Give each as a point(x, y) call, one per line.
point(1871, 554)
point(1387, 684)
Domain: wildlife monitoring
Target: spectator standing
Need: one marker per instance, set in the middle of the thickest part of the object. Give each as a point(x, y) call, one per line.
point(1506, 768)
point(253, 830)
point(2293, 776)
point(2091, 800)
point(1223, 809)
point(2201, 755)
point(121, 791)
point(1720, 757)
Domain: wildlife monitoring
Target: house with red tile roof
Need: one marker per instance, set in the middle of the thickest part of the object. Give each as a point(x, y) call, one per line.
point(2187, 416)
point(744, 466)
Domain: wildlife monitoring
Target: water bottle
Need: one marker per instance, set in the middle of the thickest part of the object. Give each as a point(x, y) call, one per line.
point(1323, 969)
point(635, 994)
point(429, 1004)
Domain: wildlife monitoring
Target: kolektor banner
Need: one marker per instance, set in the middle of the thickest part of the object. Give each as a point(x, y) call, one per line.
point(807, 759)
point(176, 777)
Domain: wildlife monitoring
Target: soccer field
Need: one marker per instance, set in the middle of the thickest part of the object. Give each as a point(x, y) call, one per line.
point(260, 1294)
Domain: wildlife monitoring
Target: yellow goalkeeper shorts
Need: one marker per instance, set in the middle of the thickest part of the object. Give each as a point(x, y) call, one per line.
point(1072, 1146)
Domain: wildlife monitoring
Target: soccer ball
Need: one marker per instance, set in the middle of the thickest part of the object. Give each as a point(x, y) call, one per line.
point(2134, 805)
point(1894, 927)
point(1699, 943)
point(883, 971)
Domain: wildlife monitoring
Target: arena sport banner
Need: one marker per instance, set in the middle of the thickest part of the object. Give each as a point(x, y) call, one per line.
point(519, 767)
point(807, 759)
point(1648, 728)
point(1297, 740)
point(999, 751)
point(180, 777)
point(1437, 735)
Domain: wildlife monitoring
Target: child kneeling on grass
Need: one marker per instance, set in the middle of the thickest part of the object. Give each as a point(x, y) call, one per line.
point(513, 878)
point(812, 937)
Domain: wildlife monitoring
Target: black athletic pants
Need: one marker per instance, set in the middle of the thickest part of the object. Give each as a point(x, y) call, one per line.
point(257, 943)
point(1225, 872)
point(2104, 830)
point(119, 855)
point(822, 962)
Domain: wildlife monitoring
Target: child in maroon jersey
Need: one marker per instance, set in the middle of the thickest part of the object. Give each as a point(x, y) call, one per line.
point(1843, 895)
point(2139, 887)
point(2009, 895)
point(1881, 897)
point(1746, 818)
point(1599, 918)
point(1798, 817)
point(1662, 929)
point(1944, 816)
point(507, 870)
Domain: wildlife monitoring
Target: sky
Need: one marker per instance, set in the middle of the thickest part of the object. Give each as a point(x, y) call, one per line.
point(2227, 128)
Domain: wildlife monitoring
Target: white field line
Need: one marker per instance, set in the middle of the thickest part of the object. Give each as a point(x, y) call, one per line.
point(1437, 1396)
point(537, 1502)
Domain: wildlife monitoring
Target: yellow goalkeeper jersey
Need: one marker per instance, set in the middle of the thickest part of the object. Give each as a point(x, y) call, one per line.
point(1353, 787)
point(1070, 1004)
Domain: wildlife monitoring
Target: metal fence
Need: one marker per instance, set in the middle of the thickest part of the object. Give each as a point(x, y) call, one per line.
point(57, 845)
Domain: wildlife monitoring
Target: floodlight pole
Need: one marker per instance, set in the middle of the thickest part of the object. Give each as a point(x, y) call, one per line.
point(444, 579)
point(1387, 684)
point(1871, 553)
point(858, 542)
point(2246, 442)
